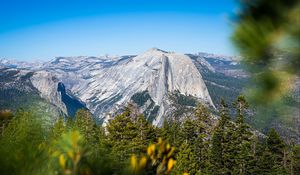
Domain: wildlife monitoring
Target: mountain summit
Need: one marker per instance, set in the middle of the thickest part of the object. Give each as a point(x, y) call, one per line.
point(152, 80)
point(106, 85)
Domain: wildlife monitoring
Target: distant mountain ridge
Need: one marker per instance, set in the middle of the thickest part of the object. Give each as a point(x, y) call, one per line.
point(106, 84)
point(162, 84)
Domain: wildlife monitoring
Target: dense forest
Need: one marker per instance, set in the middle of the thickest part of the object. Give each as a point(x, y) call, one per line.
point(128, 144)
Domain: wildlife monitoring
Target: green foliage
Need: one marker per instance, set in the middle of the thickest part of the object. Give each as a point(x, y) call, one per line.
point(128, 134)
point(271, 157)
point(186, 160)
point(70, 150)
point(170, 131)
point(295, 160)
point(85, 123)
point(222, 86)
point(140, 99)
point(216, 155)
point(5, 118)
point(223, 150)
point(20, 145)
point(267, 34)
point(276, 145)
point(28, 145)
point(184, 100)
point(159, 158)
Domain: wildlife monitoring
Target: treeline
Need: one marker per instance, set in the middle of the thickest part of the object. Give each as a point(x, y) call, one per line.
point(128, 144)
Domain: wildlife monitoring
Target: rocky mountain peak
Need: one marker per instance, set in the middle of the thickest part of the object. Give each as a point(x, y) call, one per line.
point(107, 85)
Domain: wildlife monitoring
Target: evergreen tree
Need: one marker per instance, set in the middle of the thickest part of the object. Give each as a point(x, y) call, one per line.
point(58, 129)
point(202, 116)
point(224, 115)
point(216, 153)
point(222, 157)
point(243, 137)
point(272, 154)
point(186, 160)
point(201, 143)
point(164, 131)
point(170, 131)
point(86, 124)
point(146, 134)
point(241, 105)
point(121, 132)
point(189, 135)
point(252, 166)
point(21, 145)
point(276, 145)
point(265, 162)
point(188, 131)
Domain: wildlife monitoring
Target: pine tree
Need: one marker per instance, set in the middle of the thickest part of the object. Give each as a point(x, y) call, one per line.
point(58, 129)
point(186, 160)
point(164, 132)
point(188, 131)
point(86, 124)
point(20, 145)
point(222, 156)
point(272, 153)
point(276, 145)
point(224, 115)
point(170, 131)
point(189, 134)
point(252, 166)
point(121, 131)
point(201, 143)
point(216, 153)
point(146, 134)
point(241, 105)
point(202, 116)
point(265, 162)
point(243, 137)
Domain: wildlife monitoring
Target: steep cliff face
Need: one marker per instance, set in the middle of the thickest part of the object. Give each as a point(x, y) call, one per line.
point(106, 84)
point(47, 86)
point(40, 91)
point(17, 92)
point(163, 73)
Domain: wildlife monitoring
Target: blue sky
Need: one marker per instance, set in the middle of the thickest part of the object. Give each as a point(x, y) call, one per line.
point(44, 29)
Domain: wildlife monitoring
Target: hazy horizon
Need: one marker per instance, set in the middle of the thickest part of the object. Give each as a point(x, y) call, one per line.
point(111, 55)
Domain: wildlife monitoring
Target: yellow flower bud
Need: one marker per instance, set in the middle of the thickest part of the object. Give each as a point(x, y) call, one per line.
point(62, 161)
point(159, 140)
point(143, 162)
point(70, 154)
point(171, 164)
point(151, 149)
point(168, 147)
point(185, 173)
point(133, 162)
